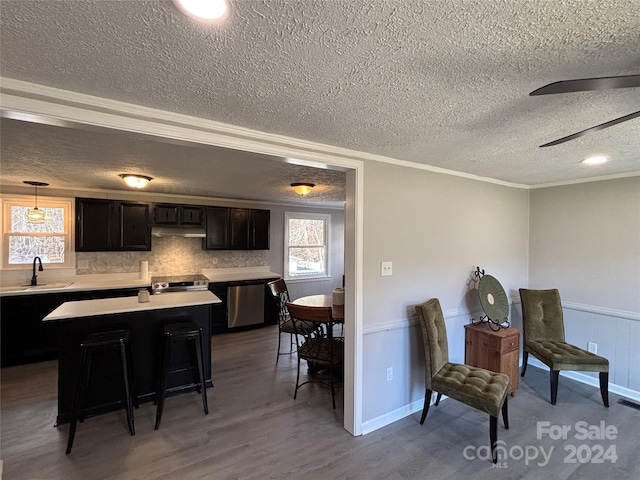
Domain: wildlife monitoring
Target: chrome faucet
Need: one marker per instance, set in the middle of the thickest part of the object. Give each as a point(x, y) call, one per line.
point(34, 277)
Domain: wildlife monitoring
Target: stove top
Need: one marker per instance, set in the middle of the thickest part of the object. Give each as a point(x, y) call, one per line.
point(179, 283)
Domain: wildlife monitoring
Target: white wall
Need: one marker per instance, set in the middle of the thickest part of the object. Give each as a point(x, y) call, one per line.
point(585, 241)
point(435, 229)
point(300, 288)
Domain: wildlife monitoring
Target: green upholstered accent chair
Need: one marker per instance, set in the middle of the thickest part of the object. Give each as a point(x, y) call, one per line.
point(544, 338)
point(477, 387)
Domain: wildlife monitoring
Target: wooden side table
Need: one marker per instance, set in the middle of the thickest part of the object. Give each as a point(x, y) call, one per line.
point(494, 350)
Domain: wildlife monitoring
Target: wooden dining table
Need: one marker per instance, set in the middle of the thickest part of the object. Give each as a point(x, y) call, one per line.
point(337, 311)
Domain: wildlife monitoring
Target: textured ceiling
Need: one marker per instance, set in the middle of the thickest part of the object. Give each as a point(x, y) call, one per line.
point(443, 83)
point(85, 159)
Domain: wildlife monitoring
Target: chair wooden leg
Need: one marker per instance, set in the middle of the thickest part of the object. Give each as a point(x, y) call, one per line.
point(438, 398)
point(525, 359)
point(493, 436)
point(505, 412)
point(554, 374)
point(427, 401)
point(604, 388)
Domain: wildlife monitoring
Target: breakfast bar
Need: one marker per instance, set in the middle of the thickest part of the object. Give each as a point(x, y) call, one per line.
point(145, 323)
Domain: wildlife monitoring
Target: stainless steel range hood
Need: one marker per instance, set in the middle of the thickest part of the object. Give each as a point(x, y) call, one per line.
point(190, 232)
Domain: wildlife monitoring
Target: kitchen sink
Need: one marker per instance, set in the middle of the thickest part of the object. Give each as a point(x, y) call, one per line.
point(39, 287)
point(47, 286)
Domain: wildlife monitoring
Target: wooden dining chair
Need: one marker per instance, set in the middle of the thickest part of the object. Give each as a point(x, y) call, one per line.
point(281, 297)
point(322, 351)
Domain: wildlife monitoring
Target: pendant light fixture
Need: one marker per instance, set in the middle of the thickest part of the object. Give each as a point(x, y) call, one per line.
point(36, 215)
point(302, 188)
point(136, 181)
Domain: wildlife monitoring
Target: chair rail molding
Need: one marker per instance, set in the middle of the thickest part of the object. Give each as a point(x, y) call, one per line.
point(609, 312)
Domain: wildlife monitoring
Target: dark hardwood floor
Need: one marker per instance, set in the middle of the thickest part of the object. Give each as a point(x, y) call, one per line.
point(255, 430)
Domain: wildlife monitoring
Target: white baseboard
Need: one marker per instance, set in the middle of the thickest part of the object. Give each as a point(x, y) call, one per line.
point(416, 406)
point(393, 416)
point(588, 380)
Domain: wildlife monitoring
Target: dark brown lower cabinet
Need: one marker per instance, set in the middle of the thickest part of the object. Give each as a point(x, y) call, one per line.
point(25, 337)
point(147, 350)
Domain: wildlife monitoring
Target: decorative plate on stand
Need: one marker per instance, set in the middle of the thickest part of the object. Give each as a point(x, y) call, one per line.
point(493, 299)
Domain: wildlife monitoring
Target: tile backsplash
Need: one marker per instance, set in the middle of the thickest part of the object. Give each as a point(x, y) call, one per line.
point(169, 256)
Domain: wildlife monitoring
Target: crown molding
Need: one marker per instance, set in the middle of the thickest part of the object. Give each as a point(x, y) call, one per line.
point(585, 180)
point(71, 108)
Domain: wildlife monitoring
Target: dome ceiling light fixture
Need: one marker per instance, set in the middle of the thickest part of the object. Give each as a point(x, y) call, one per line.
point(302, 188)
point(207, 11)
point(135, 180)
point(35, 215)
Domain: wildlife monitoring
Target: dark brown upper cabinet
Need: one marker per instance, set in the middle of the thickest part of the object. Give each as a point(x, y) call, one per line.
point(112, 225)
point(191, 215)
point(167, 214)
point(259, 229)
point(237, 229)
point(217, 228)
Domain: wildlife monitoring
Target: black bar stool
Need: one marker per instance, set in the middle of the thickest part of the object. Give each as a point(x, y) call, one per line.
point(179, 332)
point(92, 344)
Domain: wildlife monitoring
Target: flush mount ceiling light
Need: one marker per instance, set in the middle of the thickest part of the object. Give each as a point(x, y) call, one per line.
point(302, 188)
point(595, 160)
point(35, 215)
point(203, 10)
point(134, 180)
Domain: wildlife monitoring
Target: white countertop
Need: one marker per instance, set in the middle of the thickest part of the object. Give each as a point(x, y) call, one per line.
point(239, 276)
point(76, 285)
point(109, 306)
point(79, 283)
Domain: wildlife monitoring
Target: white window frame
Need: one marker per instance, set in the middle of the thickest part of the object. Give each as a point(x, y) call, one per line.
point(43, 202)
point(326, 217)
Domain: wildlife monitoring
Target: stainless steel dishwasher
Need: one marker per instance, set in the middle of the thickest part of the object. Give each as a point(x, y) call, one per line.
point(245, 303)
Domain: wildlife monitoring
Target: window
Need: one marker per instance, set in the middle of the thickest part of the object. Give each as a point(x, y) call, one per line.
point(50, 240)
point(306, 244)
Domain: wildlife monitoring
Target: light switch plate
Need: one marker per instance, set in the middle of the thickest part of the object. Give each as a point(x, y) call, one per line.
point(386, 269)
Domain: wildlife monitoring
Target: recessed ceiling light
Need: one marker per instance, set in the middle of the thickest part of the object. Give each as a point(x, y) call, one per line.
point(203, 10)
point(595, 160)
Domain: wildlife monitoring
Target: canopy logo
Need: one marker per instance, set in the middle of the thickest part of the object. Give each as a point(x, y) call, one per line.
point(588, 451)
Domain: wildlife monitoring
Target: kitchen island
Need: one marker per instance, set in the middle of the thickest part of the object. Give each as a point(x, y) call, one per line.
point(145, 323)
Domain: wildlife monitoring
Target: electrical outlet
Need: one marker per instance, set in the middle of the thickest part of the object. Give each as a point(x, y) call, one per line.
point(386, 269)
point(389, 374)
point(214, 260)
point(592, 347)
